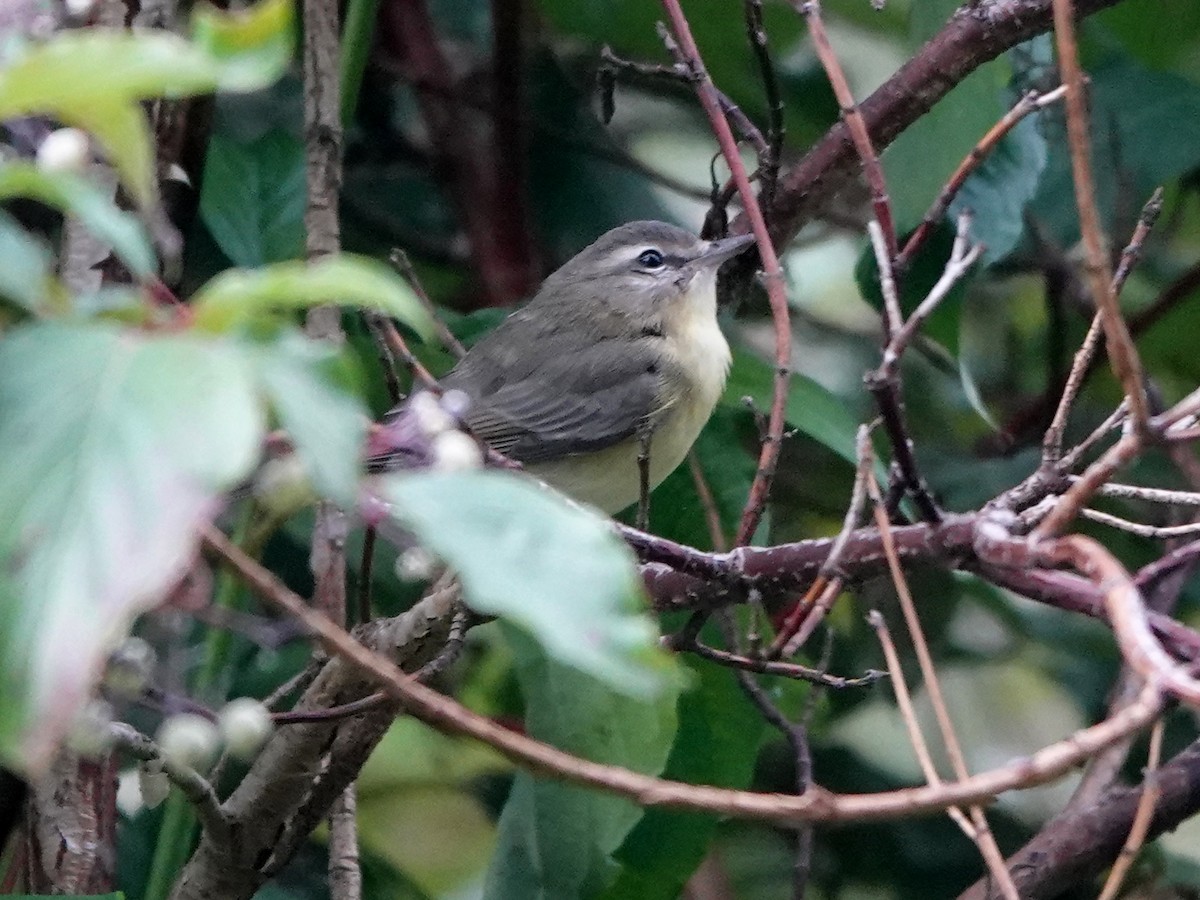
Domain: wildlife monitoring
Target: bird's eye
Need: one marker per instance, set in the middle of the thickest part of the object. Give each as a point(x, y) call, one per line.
point(650, 259)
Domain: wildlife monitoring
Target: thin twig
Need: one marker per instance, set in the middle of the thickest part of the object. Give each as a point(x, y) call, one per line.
point(1159, 532)
point(892, 314)
point(908, 713)
point(980, 831)
point(1030, 103)
point(816, 804)
point(1086, 355)
point(391, 338)
point(801, 622)
point(855, 123)
point(712, 515)
point(1121, 351)
point(191, 783)
point(963, 255)
point(772, 277)
point(403, 265)
point(770, 160)
point(1141, 818)
point(1114, 420)
point(785, 670)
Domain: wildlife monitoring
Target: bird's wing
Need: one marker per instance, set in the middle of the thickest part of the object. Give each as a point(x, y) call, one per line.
point(570, 396)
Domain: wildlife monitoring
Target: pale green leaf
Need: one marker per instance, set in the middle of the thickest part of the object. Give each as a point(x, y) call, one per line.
point(238, 297)
point(115, 446)
point(95, 78)
point(233, 51)
point(557, 840)
point(326, 422)
point(70, 193)
point(121, 130)
point(557, 570)
point(251, 47)
point(24, 266)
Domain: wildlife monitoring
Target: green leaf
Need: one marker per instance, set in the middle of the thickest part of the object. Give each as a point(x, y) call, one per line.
point(1145, 132)
point(122, 131)
point(95, 78)
point(249, 47)
point(999, 190)
point(24, 266)
point(810, 408)
point(556, 840)
point(923, 273)
point(115, 445)
point(557, 570)
point(920, 160)
point(326, 422)
point(716, 744)
point(93, 64)
point(72, 194)
point(253, 197)
point(236, 298)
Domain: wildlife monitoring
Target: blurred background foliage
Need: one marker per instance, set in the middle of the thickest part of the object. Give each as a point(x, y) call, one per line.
point(1018, 675)
point(979, 392)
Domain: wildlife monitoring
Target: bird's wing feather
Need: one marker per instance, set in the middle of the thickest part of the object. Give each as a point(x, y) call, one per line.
point(568, 397)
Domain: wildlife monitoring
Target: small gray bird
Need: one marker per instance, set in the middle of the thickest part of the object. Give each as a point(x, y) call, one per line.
point(618, 356)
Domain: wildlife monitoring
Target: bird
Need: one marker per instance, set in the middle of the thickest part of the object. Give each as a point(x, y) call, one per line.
point(601, 383)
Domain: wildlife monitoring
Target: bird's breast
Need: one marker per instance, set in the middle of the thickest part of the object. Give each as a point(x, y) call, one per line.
point(696, 364)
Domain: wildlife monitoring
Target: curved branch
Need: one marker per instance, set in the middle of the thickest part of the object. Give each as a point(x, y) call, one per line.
point(974, 35)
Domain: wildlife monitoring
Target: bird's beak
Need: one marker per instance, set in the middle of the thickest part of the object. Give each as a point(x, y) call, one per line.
point(718, 251)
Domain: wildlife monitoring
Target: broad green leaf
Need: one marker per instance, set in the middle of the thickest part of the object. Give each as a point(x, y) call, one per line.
point(237, 297)
point(557, 570)
point(556, 840)
point(920, 160)
point(326, 421)
point(24, 266)
point(810, 408)
point(997, 193)
point(72, 194)
point(1145, 129)
point(716, 744)
point(114, 445)
point(95, 78)
point(253, 197)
